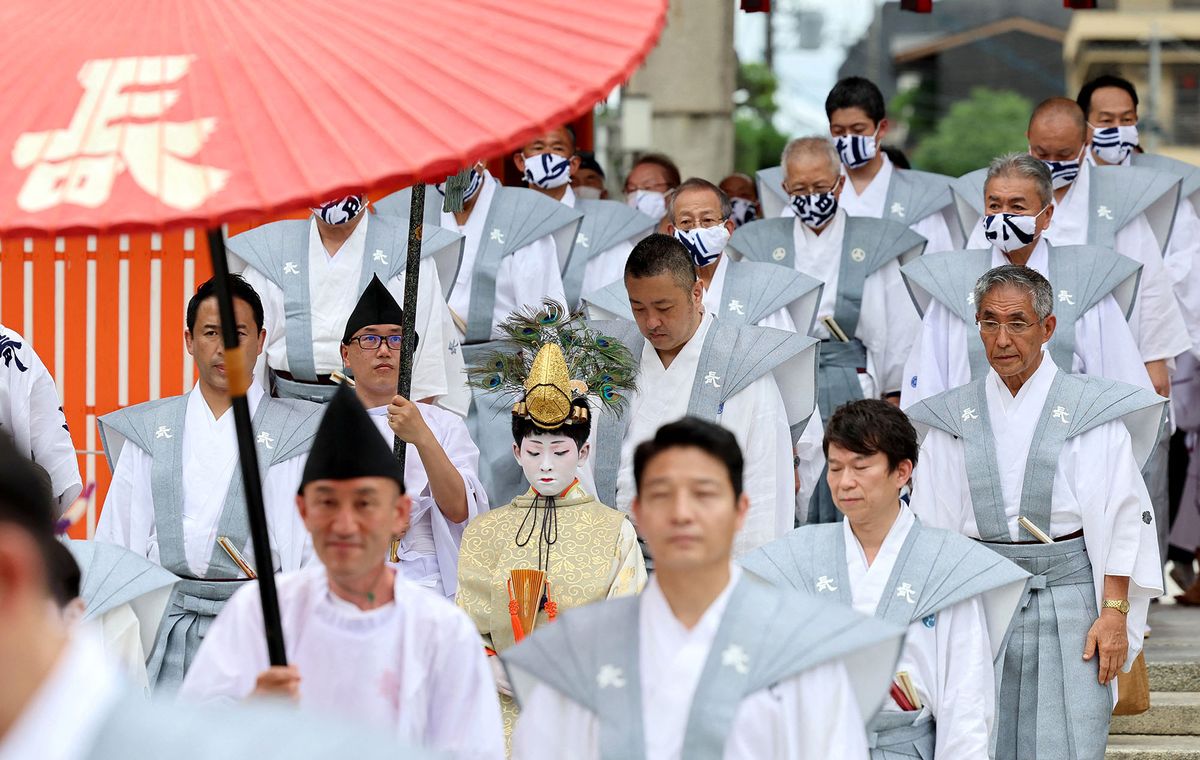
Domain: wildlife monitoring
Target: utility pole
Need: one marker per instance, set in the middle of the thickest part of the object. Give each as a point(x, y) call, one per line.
point(1155, 82)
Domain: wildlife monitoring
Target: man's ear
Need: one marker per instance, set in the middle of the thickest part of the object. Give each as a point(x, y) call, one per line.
point(584, 451)
point(403, 514)
point(904, 471)
point(698, 292)
point(187, 341)
point(729, 225)
point(574, 164)
point(1047, 215)
point(302, 507)
point(519, 160)
point(516, 452)
point(743, 509)
point(1051, 323)
point(883, 130)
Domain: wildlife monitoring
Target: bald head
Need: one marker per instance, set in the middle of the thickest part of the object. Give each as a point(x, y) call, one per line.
point(1057, 130)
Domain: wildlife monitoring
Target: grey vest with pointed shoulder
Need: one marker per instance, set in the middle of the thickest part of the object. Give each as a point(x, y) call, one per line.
point(284, 428)
point(734, 356)
point(766, 636)
point(516, 218)
point(1081, 276)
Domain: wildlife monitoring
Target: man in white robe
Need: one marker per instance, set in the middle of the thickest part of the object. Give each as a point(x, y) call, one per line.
point(31, 413)
point(362, 642)
point(1110, 104)
point(345, 245)
point(1019, 201)
point(1037, 464)
point(548, 162)
point(176, 487)
point(955, 597)
point(756, 381)
point(708, 661)
point(442, 463)
point(65, 700)
point(875, 187)
point(1058, 135)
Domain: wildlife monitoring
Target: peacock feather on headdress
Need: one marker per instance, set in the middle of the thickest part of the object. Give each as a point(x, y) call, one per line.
point(551, 357)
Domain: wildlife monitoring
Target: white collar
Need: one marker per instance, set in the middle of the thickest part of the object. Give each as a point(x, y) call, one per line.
point(568, 198)
point(198, 406)
point(891, 542)
point(1039, 382)
point(655, 603)
point(832, 235)
point(690, 352)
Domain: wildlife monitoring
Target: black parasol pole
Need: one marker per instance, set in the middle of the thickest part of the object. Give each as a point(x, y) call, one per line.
point(235, 372)
point(412, 275)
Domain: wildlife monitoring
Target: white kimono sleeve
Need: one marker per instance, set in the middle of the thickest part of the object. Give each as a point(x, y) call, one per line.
point(606, 268)
point(49, 440)
point(525, 279)
point(232, 654)
point(127, 517)
point(758, 419)
point(1183, 267)
point(935, 228)
point(780, 320)
point(1104, 346)
point(888, 332)
point(966, 702)
point(810, 451)
point(1157, 324)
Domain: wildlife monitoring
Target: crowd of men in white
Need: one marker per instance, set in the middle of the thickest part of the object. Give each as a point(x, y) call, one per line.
point(968, 577)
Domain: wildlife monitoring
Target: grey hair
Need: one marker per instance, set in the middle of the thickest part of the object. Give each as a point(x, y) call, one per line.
point(697, 183)
point(1023, 166)
point(1020, 277)
point(813, 145)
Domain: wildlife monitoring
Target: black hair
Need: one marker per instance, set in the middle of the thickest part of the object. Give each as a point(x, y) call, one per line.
point(693, 432)
point(523, 427)
point(897, 157)
point(238, 288)
point(587, 160)
point(664, 162)
point(65, 575)
point(856, 92)
point(25, 498)
point(872, 426)
point(658, 254)
point(1084, 99)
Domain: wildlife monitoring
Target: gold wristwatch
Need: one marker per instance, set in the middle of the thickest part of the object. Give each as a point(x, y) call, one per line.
point(1120, 605)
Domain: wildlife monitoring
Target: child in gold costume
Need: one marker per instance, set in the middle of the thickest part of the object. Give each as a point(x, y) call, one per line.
point(554, 547)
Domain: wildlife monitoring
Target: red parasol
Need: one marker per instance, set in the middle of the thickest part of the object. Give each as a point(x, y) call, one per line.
point(142, 114)
point(148, 114)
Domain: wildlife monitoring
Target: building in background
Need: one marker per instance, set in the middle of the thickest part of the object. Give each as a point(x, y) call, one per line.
point(939, 57)
point(1156, 45)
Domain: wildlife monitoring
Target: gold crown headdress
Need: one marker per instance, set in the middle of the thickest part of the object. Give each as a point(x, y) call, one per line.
point(548, 360)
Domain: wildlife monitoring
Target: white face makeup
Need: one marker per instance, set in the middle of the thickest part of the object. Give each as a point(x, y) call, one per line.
point(549, 461)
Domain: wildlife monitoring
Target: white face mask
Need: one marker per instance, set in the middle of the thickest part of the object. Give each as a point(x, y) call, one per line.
point(588, 193)
point(549, 461)
point(650, 202)
point(1112, 145)
point(704, 243)
point(1008, 232)
point(547, 170)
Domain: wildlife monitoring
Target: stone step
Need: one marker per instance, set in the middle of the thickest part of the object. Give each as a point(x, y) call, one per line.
point(1174, 675)
point(1171, 712)
point(1141, 747)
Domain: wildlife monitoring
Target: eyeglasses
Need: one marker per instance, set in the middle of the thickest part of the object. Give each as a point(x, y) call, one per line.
point(372, 342)
point(991, 326)
point(687, 225)
point(814, 190)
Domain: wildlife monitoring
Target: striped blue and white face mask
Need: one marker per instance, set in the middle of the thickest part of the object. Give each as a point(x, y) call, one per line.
point(547, 170)
point(1112, 145)
point(815, 210)
point(1063, 173)
point(340, 210)
point(856, 150)
point(1009, 232)
point(704, 243)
